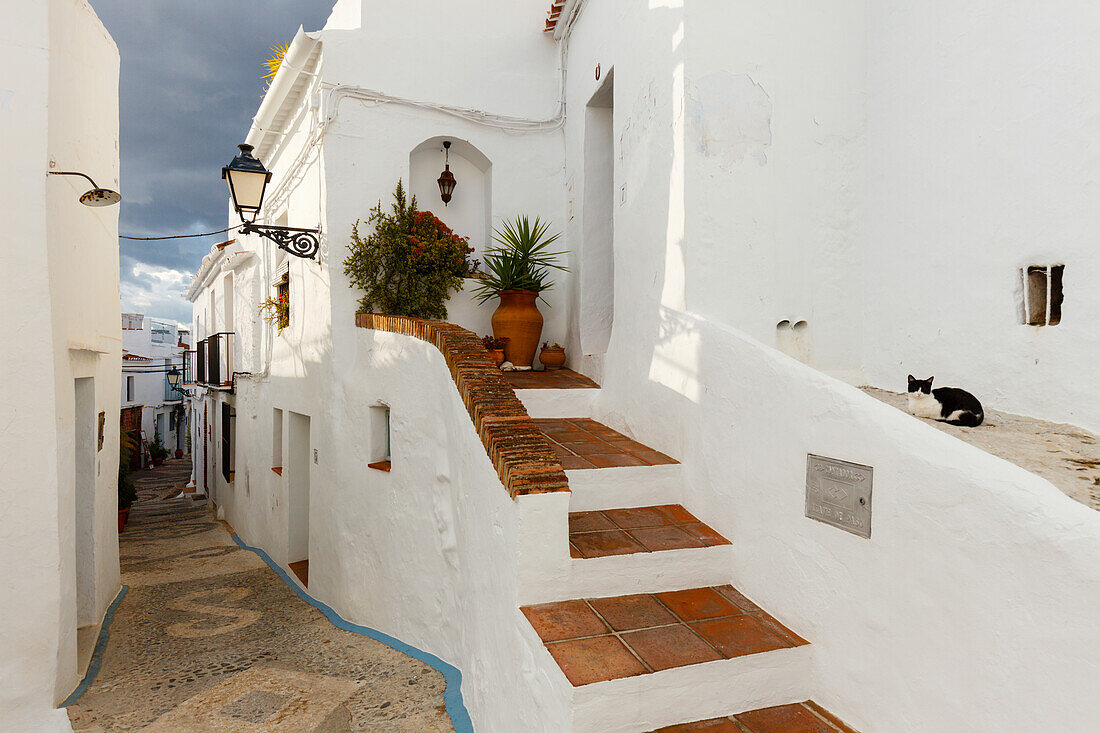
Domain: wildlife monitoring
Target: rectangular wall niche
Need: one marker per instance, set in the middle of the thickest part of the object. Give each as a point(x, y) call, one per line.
point(1042, 289)
point(380, 437)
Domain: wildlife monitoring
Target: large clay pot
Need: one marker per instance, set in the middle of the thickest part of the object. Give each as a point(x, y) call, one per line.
point(517, 319)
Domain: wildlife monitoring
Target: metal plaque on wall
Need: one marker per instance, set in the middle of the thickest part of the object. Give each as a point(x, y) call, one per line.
point(839, 493)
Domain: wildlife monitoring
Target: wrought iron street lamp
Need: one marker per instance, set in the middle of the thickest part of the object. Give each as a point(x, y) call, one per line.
point(174, 378)
point(446, 179)
point(248, 179)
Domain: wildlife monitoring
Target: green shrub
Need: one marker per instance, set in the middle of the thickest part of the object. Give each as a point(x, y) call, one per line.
point(409, 264)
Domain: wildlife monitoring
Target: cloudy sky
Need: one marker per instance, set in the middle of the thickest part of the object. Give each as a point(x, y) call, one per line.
point(191, 80)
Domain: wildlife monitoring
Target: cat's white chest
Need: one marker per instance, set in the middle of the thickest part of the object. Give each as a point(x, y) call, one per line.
point(925, 405)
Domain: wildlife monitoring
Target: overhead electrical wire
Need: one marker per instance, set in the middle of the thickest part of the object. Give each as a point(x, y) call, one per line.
point(178, 236)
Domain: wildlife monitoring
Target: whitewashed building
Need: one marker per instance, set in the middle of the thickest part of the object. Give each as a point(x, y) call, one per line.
point(60, 359)
point(764, 204)
point(151, 348)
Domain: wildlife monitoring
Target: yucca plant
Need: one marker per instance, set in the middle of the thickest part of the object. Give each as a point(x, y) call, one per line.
point(522, 261)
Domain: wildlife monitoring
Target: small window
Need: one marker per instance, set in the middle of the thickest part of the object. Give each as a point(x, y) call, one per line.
point(277, 441)
point(129, 389)
point(380, 437)
point(227, 441)
point(282, 294)
point(1042, 289)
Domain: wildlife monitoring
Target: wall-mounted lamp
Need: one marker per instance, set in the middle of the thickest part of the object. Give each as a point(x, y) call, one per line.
point(247, 179)
point(97, 196)
point(446, 180)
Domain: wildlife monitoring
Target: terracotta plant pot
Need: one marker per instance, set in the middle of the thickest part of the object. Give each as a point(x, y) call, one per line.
point(497, 356)
point(123, 515)
point(552, 358)
point(179, 453)
point(157, 461)
point(517, 319)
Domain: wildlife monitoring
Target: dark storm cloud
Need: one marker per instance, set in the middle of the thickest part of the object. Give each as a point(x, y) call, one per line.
point(189, 84)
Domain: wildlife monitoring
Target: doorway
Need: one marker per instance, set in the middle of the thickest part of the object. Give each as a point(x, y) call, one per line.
point(597, 272)
point(85, 450)
point(297, 476)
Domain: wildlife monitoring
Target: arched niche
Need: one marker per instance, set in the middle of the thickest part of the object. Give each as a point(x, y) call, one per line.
point(469, 212)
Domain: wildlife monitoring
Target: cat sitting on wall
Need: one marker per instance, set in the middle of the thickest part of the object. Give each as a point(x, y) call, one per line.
point(949, 404)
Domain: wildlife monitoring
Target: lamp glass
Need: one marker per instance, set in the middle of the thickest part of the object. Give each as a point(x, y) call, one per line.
point(247, 179)
point(173, 377)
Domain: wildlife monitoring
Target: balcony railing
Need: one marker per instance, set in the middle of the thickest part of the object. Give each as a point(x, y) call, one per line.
point(211, 363)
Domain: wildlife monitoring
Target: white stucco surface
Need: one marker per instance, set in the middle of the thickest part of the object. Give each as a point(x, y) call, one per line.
point(781, 184)
point(59, 297)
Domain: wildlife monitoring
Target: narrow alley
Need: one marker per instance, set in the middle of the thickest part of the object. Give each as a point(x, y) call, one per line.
point(209, 638)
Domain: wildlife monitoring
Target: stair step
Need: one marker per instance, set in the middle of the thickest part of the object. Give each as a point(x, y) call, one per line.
point(639, 529)
point(582, 444)
point(599, 639)
point(802, 717)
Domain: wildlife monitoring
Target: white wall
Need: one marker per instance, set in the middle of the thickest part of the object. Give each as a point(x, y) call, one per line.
point(740, 179)
point(60, 296)
point(981, 160)
point(427, 552)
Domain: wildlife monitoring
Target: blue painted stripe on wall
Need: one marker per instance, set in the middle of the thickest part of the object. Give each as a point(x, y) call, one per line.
point(97, 653)
point(452, 695)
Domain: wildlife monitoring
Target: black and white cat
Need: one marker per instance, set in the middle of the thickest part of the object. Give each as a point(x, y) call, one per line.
point(949, 404)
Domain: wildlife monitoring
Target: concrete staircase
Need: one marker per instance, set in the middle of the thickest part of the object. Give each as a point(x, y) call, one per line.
point(647, 630)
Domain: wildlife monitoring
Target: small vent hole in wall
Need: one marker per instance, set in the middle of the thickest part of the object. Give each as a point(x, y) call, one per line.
point(1042, 291)
point(793, 339)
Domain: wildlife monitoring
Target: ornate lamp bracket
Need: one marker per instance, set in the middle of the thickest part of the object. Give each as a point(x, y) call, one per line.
point(302, 243)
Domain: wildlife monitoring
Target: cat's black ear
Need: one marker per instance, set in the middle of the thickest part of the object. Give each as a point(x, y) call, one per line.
point(930, 380)
point(912, 378)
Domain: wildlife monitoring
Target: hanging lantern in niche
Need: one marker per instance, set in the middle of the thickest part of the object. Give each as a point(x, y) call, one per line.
point(446, 179)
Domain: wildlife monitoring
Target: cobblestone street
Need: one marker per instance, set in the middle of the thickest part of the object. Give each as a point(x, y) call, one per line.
point(209, 638)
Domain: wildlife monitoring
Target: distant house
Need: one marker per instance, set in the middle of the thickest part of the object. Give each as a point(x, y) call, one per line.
point(150, 349)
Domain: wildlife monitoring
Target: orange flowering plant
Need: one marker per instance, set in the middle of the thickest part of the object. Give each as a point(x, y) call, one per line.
point(409, 264)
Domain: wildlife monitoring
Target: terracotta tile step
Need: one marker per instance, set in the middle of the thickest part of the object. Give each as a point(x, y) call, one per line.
point(597, 639)
point(802, 717)
point(642, 529)
point(581, 443)
point(549, 379)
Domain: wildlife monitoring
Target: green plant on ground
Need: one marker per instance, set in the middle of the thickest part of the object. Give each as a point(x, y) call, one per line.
point(522, 261)
point(127, 444)
point(409, 264)
point(157, 451)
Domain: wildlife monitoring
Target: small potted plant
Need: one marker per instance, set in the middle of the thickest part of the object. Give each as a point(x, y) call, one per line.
point(495, 347)
point(157, 451)
point(518, 272)
point(552, 355)
point(179, 426)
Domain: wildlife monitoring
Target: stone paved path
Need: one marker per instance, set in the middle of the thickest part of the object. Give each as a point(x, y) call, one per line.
point(1065, 455)
point(209, 638)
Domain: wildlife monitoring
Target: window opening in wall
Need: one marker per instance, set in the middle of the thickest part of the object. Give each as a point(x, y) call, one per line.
point(380, 437)
point(129, 389)
point(1042, 288)
point(277, 441)
point(227, 441)
point(282, 295)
